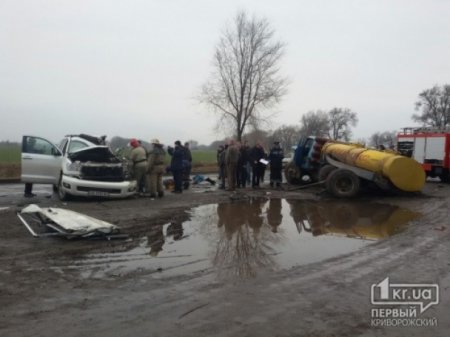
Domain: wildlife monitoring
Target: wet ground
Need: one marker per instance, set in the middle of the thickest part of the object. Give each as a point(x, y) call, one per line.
point(256, 263)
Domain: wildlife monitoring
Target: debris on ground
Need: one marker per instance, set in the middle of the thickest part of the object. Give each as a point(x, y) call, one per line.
point(49, 221)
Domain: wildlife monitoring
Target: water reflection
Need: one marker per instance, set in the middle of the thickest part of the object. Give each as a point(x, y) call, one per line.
point(175, 230)
point(255, 237)
point(242, 239)
point(155, 239)
point(274, 216)
point(370, 221)
point(241, 247)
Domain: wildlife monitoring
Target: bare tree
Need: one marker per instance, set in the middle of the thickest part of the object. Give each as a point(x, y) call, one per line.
point(340, 120)
point(193, 144)
point(287, 135)
point(315, 123)
point(246, 79)
point(386, 138)
point(361, 141)
point(334, 124)
point(257, 135)
point(434, 104)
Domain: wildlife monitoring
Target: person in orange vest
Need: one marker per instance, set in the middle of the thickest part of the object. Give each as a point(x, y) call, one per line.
point(138, 164)
point(156, 169)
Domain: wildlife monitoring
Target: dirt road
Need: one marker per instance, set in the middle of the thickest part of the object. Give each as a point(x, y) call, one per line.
point(59, 287)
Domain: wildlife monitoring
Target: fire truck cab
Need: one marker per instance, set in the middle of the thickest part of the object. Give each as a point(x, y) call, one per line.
point(428, 146)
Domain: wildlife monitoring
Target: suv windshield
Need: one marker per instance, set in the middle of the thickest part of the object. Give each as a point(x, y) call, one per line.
point(76, 145)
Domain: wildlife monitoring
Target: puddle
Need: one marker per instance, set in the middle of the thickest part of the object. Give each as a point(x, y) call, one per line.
point(243, 239)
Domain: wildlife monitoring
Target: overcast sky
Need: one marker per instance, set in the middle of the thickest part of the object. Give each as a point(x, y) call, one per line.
point(132, 68)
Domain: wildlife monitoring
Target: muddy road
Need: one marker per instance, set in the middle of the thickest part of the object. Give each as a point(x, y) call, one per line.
point(209, 263)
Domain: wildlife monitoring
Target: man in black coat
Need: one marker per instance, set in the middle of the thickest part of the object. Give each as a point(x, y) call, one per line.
point(176, 165)
point(256, 154)
point(276, 156)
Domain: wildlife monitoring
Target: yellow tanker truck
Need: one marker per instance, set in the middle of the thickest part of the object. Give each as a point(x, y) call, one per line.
point(345, 167)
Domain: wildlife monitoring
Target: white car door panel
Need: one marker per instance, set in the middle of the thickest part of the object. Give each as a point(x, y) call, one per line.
point(41, 161)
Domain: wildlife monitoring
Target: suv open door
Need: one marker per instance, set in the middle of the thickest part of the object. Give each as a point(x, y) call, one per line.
point(41, 161)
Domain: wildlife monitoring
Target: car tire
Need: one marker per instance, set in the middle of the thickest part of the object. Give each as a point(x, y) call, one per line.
point(62, 194)
point(343, 183)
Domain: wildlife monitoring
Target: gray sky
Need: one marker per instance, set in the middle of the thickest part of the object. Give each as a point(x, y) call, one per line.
point(132, 68)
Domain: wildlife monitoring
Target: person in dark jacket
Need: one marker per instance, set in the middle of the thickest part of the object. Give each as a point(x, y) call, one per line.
point(176, 165)
point(256, 154)
point(276, 156)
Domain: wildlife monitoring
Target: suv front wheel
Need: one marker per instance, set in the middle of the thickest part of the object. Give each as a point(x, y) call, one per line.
point(62, 194)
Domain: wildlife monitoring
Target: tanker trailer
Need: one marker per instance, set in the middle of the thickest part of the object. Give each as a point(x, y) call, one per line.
point(345, 167)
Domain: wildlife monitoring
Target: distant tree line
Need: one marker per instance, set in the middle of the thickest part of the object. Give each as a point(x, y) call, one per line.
point(7, 143)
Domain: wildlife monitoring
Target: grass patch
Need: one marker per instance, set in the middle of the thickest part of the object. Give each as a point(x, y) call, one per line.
point(207, 157)
point(10, 153)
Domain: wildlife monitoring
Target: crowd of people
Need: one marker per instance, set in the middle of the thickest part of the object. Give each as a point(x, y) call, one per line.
point(241, 165)
point(147, 168)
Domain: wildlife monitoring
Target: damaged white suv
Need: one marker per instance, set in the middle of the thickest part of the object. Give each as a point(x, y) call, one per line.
point(81, 165)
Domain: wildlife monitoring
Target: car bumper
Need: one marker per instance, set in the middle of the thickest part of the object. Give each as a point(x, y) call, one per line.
point(90, 188)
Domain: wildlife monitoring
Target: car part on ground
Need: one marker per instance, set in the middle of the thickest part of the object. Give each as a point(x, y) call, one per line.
point(66, 223)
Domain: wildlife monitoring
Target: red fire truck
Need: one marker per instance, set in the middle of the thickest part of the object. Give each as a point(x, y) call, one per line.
point(428, 146)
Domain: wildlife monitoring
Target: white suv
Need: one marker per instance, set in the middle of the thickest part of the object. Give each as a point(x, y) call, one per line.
point(81, 165)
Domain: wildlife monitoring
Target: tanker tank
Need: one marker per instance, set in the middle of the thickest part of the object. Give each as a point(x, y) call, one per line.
point(404, 173)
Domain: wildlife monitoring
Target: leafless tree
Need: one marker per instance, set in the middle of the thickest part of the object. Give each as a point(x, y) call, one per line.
point(434, 105)
point(362, 141)
point(193, 144)
point(334, 124)
point(287, 136)
point(386, 138)
point(257, 135)
point(315, 123)
point(340, 120)
point(245, 81)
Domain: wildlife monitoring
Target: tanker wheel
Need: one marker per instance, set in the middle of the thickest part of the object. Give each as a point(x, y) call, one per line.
point(325, 171)
point(292, 174)
point(343, 183)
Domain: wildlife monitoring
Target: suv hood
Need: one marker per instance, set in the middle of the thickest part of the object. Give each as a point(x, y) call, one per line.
point(97, 154)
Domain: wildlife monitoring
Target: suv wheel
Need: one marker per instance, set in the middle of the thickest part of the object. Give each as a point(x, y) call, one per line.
point(62, 194)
